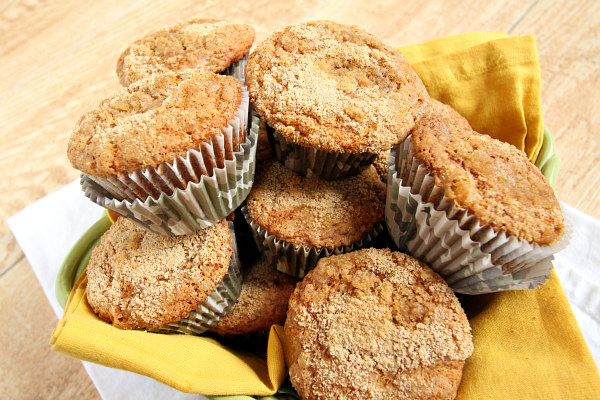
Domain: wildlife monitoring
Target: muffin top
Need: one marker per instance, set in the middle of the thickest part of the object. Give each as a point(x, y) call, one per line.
point(335, 87)
point(436, 108)
point(312, 212)
point(153, 121)
point(138, 279)
point(491, 179)
point(206, 44)
point(446, 112)
point(376, 324)
point(263, 301)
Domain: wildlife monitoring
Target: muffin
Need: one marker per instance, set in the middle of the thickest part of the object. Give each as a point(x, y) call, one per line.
point(332, 96)
point(376, 324)
point(143, 280)
point(297, 220)
point(473, 208)
point(204, 44)
point(171, 151)
point(436, 109)
point(263, 301)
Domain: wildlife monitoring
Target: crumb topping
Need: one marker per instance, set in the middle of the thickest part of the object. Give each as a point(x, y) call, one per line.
point(492, 179)
point(263, 301)
point(376, 324)
point(205, 44)
point(335, 87)
point(312, 212)
point(153, 121)
point(437, 109)
point(139, 279)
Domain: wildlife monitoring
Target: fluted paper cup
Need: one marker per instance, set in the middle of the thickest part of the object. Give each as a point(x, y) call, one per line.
point(237, 69)
point(314, 163)
point(473, 258)
point(196, 207)
point(298, 260)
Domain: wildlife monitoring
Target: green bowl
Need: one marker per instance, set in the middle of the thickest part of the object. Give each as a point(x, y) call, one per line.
point(77, 259)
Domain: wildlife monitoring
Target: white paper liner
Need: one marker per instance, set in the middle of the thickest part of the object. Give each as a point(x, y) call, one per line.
point(178, 173)
point(298, 260)
point(196, 207)
point(237, 70)
point(218, 304)
point(314, 163)
point(473, 258)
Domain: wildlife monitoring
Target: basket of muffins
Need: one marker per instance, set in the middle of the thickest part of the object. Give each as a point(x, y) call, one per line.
point(312, 183)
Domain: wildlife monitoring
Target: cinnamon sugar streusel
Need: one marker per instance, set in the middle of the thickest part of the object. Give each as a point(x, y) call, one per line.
point(138, 279)
point(263, 301)
point(492, 179)
point(376, 324)
point(335, 88)
point(312, 212)
point(205, 44)
point(153, 121)
point(436, 109)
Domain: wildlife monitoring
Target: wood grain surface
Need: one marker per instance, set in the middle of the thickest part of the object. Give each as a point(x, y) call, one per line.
point(58, 61)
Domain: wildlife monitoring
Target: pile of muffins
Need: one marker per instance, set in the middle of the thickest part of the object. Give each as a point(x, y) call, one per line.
point(247, 206)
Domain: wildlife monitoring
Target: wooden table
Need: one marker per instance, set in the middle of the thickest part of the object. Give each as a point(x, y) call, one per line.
point(58, 61)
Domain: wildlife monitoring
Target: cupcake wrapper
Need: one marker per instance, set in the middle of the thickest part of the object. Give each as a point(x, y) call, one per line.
point(313, 163)
point(473, 258)
point(177, 174)
point(197, 206)
point(218, 304)
point(298, 260)
point(237, 70)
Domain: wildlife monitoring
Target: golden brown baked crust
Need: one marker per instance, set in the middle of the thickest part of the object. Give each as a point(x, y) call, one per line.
point(206, 44)
point(335, 87)
point(153, 121)
point(263, 301)
point(444, 111)
point(436, 109)
point(376, 324)
point(493, 180)
point(312, 212)
point(138, 279)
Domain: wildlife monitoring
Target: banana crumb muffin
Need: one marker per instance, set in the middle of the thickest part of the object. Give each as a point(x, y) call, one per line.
point(436, 109)
point(376, 324)
point(263, 301)
point(335, 87)
point(205, 44)
point(143, 280)
point(153, 121)
point(491, 179)
point(317, 213)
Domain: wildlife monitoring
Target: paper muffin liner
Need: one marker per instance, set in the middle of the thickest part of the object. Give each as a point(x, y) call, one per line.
point(473, 258)
point(298, 260)
point(178, 173)
point(197, 206)
point(314, 163)
point(237, 69)
point(218, 303)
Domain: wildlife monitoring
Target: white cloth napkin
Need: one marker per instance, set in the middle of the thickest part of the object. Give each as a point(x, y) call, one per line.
point(48, 228)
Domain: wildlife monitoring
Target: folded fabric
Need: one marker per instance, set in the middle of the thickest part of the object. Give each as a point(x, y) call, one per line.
point(492, 79)
point(188, 363)
point(527, 343)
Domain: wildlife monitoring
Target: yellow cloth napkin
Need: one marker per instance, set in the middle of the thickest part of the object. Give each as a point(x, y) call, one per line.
point(527, 343)
point(188, 363)
point(492, 79)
